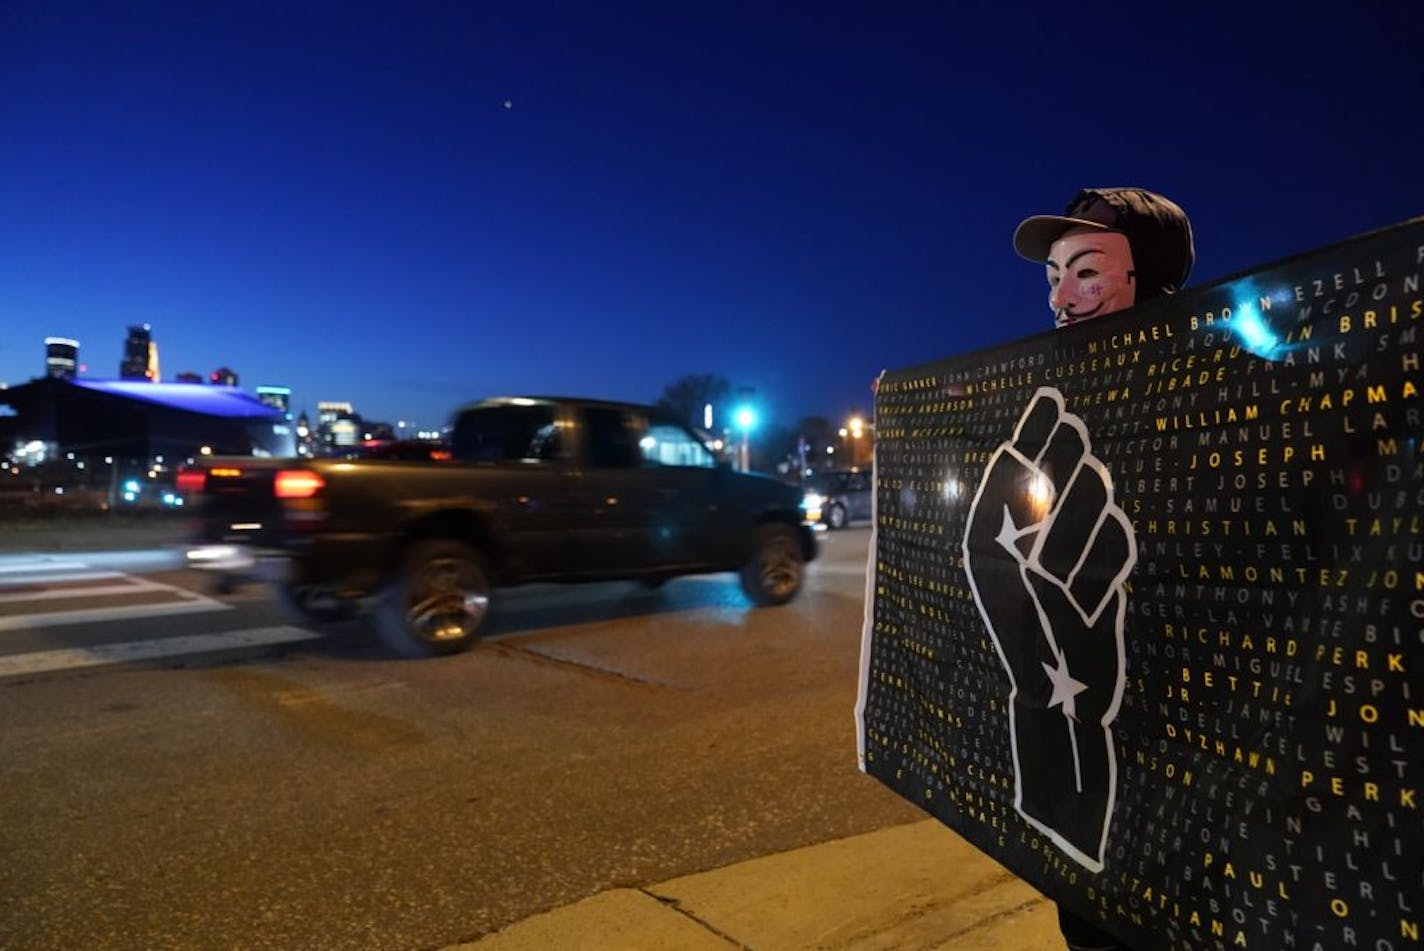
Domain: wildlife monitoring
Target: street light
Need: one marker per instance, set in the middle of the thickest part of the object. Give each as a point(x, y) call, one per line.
point(745, 418)
point(855, 428)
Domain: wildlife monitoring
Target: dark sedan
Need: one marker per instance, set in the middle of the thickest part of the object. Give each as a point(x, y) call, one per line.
point(842, 496)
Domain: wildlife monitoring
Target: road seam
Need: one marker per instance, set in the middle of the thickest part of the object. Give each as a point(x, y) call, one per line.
point(989, 920)
point(672, 904)
point(607, 673)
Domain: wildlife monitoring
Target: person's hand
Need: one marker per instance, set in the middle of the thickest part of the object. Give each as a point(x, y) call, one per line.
point(1048, 551)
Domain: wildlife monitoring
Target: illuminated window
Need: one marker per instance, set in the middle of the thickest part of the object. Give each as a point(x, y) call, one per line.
point(665, 444)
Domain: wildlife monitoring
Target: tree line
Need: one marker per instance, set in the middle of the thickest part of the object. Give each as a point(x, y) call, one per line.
point(773, 445)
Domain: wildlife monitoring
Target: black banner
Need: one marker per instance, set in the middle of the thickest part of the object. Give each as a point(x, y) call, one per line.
point(1147, 621)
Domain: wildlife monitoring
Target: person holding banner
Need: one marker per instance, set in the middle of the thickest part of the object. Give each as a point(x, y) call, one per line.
point(1111, 249)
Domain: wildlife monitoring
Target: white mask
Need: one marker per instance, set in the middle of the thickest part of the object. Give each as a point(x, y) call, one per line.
point(1089, 275)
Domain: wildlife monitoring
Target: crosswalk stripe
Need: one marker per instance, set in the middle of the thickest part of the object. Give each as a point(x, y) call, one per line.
point(37, 662)
point(191, 604)
point(129, 585)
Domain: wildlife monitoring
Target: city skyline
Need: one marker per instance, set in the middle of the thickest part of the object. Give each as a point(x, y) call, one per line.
point(416, 206)
point(76, 365)
point(219, 376)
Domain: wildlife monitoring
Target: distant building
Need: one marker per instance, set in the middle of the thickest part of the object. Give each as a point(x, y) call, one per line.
point(140, 355)
point(343, 433)
point(331, 411)
point(338, 426)
point(277, 397)
point(61, 358)
point(381, 432)
point(136, 422)
point(188, 376)
point(222, 376)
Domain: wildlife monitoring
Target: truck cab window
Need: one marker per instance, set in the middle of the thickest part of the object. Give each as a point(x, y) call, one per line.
point(506, 434)
point(612, 439)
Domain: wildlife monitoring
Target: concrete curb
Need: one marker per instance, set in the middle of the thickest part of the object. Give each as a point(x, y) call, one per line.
point(906, 887)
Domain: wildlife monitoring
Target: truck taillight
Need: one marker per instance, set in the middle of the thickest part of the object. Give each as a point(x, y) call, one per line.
point(298, 484)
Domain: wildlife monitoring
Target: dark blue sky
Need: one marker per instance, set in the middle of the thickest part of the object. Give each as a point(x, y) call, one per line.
point(409, 205)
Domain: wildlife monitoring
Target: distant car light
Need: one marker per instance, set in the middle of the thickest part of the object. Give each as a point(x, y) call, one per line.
point(190, 481)
point(220, 557)
point(811, 503)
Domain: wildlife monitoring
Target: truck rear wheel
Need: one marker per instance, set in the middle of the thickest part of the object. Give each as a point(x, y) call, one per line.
point(774, 573)
point(438, 601)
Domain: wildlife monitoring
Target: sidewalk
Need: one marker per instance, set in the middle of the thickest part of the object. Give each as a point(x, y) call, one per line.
point(38, 535)
point(916, 886)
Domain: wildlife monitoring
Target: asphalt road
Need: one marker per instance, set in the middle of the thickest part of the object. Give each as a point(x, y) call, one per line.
point(320, 794)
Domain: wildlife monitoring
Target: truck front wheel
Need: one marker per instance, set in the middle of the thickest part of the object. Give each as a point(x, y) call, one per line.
point(437, 602)
point(773, 575)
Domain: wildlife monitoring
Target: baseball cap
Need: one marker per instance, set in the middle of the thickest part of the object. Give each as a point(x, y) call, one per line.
point(1156, 228)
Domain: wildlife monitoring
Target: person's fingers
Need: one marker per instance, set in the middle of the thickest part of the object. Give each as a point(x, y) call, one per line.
point(1060, 457)
point(1075, 519)
point(1036, 425)
point(1108, 562)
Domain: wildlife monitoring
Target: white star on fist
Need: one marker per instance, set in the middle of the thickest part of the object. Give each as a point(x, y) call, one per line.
point(1065, 688)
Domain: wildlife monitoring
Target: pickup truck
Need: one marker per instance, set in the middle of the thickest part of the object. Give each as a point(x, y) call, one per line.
point(526, 489)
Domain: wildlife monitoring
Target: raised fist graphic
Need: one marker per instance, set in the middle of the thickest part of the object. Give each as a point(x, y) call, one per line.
point(1048, 551)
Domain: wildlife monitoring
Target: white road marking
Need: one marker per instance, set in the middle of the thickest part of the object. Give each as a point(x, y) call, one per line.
point(191, 604)
point(37, 662)
point(130, 586)
point(37, 572)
